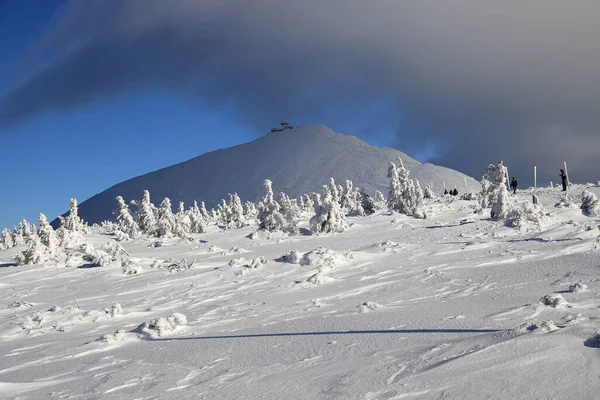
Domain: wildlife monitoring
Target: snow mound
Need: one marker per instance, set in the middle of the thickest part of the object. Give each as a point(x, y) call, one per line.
point(528, 214)
point(325, 258)
point(554, 300)
point(173, 265)
point(247, 265)
point(368, 306)
point(292, 257)
point(577, 287)
point(318, 278)
point(162, 325)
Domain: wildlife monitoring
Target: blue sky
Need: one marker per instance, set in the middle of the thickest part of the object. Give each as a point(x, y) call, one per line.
point(98, 91)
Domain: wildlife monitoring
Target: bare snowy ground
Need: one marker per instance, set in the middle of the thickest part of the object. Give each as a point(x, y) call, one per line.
point(454, 307)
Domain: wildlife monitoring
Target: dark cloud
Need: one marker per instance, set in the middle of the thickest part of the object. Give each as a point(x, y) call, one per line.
point(481, 81)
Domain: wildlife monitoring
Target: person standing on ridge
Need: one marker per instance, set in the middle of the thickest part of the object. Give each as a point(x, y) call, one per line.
point(514, 184)
point(563, 178)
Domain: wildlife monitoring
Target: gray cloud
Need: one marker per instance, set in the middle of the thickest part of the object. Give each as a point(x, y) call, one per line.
point(508, 80)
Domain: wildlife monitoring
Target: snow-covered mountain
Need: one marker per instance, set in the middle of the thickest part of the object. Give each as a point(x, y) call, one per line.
point(298, 161)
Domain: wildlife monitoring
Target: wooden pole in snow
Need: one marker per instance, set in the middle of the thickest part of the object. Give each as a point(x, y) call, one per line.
point(534, 178)
point(507, 179)
point(567, 172)
point(466, 186)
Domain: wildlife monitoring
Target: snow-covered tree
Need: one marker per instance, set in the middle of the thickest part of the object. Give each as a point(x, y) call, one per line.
point(126, 223)
point(308, 203)
point(379, 196)
point(73, 222)
point(290, 213)
point(166, 224)
point(493, 178)
point(182, 220)
point(250, 210)
point(6, 240)
point(503, 205)
point(269, 211)
point(146, 215)
point(205, 215)
point(334, 190)
point(41, 248)
point(224, 213)
point(404, 195)
point(329, 216)
point(236, 216)
point(196, 218)
point(366, 202)
point(17, 237)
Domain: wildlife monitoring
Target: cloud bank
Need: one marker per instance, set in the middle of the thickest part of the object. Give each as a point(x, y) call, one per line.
point(482, 81)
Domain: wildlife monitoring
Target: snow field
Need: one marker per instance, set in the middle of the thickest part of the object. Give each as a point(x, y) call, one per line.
point(456, 306)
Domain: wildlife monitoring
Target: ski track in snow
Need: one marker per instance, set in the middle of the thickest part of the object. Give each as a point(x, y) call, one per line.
point(402, 309)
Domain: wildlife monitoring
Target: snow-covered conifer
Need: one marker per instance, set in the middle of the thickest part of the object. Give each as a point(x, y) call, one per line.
point(404, 195)
point(73, 222)
point(47, 234)
point(290, 213)
point(334, 190)
point(309, 204)
point(196, 218)
point(236, 216)
point(494, 177)
point(6, 241)
point(146, 216)
point(166, 224)
point(41, 248)
point(205, 215)
point(182, 220)
point(379, 196)
point(269, 212)
point(250, 210)
point(395, 190)
point(17, 236)
point(224, 213)
point(126, 223)
point(329, 216)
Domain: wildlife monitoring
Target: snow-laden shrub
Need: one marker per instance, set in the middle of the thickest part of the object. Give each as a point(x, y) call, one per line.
point(366, 203)
point(554, 300)
point(529, 213)
point(292, 257)
point(577, 287)
point(428, 193)
point(469, 196)
point(162, 325)
point(173, 265)
point(329, 216)
point(589, 204)
point(368, 306)
point(250, 211)
point(249, 264)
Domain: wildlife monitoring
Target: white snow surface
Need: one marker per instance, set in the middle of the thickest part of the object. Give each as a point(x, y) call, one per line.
point(298, 161)
point(392, 308)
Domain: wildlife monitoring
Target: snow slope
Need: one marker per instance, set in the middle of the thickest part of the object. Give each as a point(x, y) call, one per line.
point(298, 161)
point(455, 307)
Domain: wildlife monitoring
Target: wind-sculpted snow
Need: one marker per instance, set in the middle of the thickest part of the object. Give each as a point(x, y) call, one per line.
point(298, 161)
point(455, 306)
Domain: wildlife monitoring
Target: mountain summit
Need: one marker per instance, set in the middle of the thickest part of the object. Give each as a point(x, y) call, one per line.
point(298, 161)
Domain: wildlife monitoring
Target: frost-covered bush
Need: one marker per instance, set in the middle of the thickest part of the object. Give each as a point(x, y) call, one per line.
point(503, 204)
point(554, 300)
point(290, 213)
point(428, 193)
point(329, 216)
point(577, 287)
point(529, 213)
point(162, 325)
point(589, 204)
point(173, 265)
